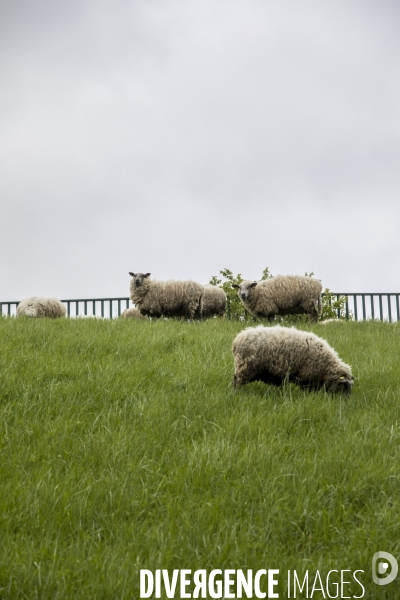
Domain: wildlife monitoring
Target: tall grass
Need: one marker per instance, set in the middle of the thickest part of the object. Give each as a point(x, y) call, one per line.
point(123, 447)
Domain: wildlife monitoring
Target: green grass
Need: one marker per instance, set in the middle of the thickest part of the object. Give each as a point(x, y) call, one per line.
point(123, 447)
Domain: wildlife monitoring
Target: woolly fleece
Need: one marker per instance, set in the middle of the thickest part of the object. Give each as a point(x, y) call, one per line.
point(272, 354)
point(132, 313)
point(282, 295)
point(166, 298)
point(41, 307)
point(214, 301)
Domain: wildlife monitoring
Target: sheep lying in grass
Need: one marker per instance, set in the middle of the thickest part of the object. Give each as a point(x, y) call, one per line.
point(133, 313)
point(166, 298)
point(276, 354)
point(41, 307)
point(214, 301)
point(332, 321)
point(281, 295)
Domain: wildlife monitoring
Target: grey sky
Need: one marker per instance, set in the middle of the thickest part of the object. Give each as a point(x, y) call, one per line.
point(183, 137)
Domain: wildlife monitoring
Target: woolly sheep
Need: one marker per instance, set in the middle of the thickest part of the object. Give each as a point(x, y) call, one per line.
point(273, 354)
point(41, 307)
point(132, 313)
point(281, 295)
point(166, 298)
point(214, 301)
point(332, 321)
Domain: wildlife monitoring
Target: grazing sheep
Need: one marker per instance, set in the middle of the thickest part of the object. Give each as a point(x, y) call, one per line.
point(214, 301)
point(166, 298)
point(41, 307)
point(276, 354)
point(132, 313)
point(282, 295)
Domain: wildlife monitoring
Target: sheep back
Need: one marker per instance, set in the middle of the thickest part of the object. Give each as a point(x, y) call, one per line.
point(276, 354)
point(36, 306)
point(214, 301)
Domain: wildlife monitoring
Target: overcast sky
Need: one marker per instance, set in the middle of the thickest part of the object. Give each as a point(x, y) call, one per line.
point(181, 137)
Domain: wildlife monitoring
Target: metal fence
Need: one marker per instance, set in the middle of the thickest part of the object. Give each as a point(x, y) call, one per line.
point(360, 307)
point(108, 308)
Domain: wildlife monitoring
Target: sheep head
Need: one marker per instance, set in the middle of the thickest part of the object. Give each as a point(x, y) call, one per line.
point(139, 278)
point(245, 289)
point(341, 383)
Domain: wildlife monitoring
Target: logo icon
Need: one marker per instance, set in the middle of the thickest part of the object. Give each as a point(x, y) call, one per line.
point(380, 566)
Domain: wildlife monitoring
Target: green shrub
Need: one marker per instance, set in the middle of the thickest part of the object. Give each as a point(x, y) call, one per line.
point(234, 308)
point(334, 309)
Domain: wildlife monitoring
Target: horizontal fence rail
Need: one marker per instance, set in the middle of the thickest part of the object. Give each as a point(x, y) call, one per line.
point(359, 307)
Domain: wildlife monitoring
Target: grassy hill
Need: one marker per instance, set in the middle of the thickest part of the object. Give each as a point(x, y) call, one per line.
point(123, 447)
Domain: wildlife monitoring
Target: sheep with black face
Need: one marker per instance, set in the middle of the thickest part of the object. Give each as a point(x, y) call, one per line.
point(281, 295)
point(166, 298)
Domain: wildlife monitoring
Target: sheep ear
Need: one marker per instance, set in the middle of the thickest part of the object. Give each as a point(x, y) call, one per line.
point(147, 274)
point(253, 284)
point(234, 285)
point(132, 274)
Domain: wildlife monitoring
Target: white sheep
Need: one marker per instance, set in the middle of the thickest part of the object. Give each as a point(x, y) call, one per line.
point(281, 295)
point(166, 298)
point(276, 354)
point(133, 313)
point(214, 301)
point(335, 320)
point(35, 306)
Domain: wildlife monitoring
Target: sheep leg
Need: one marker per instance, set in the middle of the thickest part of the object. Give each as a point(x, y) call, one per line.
point(271, 318)
point(198, 312)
